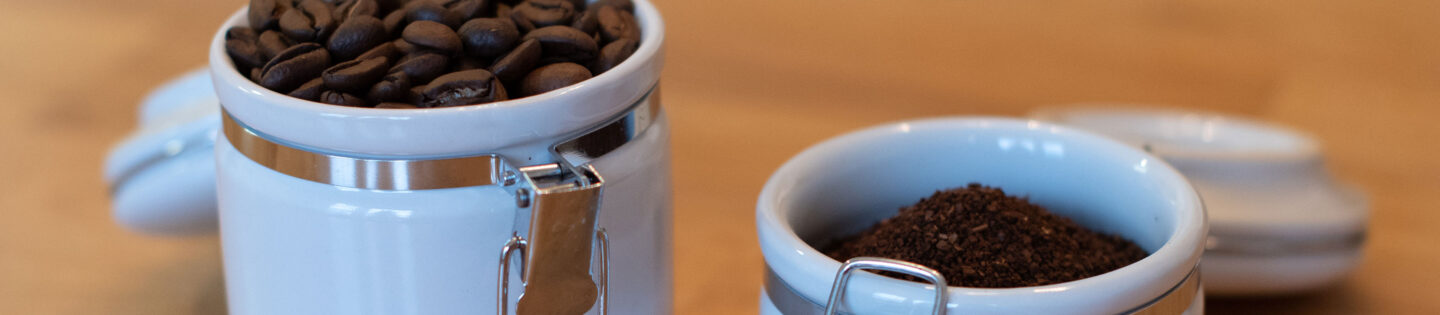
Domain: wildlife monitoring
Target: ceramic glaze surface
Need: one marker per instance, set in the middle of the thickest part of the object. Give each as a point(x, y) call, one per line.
point(843, 184)
point(297, 247)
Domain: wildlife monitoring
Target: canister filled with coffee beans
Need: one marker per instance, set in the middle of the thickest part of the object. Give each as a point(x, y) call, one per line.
point(424, 157)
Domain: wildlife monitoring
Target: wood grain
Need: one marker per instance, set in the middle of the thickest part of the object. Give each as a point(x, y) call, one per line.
point(749, 83)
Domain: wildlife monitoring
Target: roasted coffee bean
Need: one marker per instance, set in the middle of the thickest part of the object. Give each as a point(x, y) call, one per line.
point(467, 63)
point(502, 10)
point(613, 54)
point(355, 75)
point(614, 24)
point(553, 76)
point(423, 67)
point(564, 43)
point(431, 11)
point(579, 5)
point(544, 13)
point(311, 21)
point(355, 36)
point(521, 23)
point(341, 98)
point(405, 47)
point(245, 54)
point(489, 37)
point(416, 96)
point(355, 8)
point(393, 105)
point(294, 66)
point(242, 33)
point(394, 22)
point(386, 50)
point(466, 9)
point(518, 62)
point(394, 87)
point(271, 43)
point(623, 5)
point(588, 22)
point(255, 75)
point(309, 91)
point(264, 14)
point(464, 88)
point(433, 36)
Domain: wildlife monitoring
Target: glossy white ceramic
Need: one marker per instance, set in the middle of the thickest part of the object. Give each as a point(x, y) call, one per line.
point(293, 246)
point(844, 184)
point(162, 176)
point(1262, 184)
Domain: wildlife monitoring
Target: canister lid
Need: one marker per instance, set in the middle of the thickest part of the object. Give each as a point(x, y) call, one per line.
point(162, 176)
point(1279, 223)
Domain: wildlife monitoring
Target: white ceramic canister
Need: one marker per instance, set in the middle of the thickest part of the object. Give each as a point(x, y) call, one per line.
point(845, 184)
point(1279, 222)
point(327, 209)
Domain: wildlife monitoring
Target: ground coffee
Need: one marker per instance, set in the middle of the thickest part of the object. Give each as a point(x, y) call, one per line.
point(979, 237)
point(366, 53)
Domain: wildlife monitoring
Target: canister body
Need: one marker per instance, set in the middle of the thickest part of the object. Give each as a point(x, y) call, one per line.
point(293, 246)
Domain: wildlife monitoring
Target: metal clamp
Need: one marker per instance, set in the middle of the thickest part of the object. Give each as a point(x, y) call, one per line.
point(842, 278)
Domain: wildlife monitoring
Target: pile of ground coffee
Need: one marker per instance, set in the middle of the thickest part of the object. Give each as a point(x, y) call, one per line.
point(979, 237)
point(429, 53)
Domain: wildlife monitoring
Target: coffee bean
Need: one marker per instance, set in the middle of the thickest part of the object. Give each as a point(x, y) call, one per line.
point(466, 9)
point(393, 105)
point(264, 14)
point(422, 67)
point(614, 25)
point(386, 50)
point(394, 87)
point(255, 75)
point(356, 8)
point(355, 36)
point(502, 10)
point(552, 77)
point(341, 98)
point(311, 21)
point(405, 47)
point(623, 5)
point(245, 54)
point(434, 12)
point(489, 37)
point(613, 54)
point(416, 96)
point(309, 91)
point(242, 33)
point(521, 23)
point(294, 66)
point(271, 43)
point(464, 88)
point(432, 35)
point(518, 62)
point(394, 22)
point(588, 22)
point(544, 13)
point(355, 75)
point(579, 5)
point(467, 63)
point(564, 43)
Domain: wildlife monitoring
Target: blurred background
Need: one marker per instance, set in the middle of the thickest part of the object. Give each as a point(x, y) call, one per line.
point(749, 83)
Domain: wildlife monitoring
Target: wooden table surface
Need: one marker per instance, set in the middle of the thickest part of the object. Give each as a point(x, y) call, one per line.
point(751, 82)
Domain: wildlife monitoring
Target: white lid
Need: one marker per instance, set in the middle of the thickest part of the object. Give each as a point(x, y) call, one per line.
point(162, 176)
point(1279, 223)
